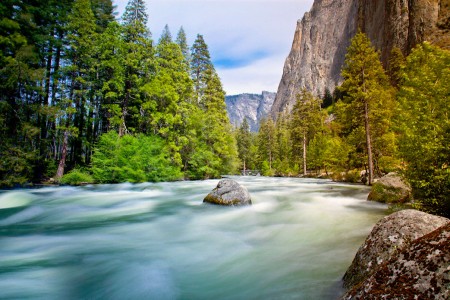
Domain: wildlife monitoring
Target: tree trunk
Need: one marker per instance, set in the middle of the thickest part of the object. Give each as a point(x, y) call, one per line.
point(304, 154)
point(244, 167)
point(368, 141)
point(62, 161)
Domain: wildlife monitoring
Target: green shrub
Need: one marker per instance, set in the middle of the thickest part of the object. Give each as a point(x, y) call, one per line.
point(133, 159)
point(77, 177)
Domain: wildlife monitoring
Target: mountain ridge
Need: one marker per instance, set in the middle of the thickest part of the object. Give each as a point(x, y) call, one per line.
point(252, 107)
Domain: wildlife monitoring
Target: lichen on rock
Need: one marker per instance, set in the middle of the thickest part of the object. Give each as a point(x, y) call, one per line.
point(388, 238)
point(420, 271)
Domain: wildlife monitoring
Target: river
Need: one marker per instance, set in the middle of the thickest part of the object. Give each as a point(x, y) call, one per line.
point(158, 241)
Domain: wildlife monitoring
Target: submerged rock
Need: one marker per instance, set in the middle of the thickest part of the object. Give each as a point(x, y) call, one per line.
point(229, 192)
point(420, 271)
point(388, 238)
point(390, 189)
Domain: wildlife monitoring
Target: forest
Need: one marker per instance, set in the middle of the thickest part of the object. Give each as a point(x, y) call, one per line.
point(86, 98)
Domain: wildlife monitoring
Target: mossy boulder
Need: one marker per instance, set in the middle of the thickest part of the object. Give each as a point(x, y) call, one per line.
point(390, 189)
point(420, 270)
point(230, 193)
point(389, 237)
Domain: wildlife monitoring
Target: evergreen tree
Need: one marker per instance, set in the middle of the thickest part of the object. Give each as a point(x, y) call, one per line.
point(112, 49)
point(216, 131)
point(200, 64)
point(424, 126)
point(136, 17)
point(396, 64)
point(81, 40)
point(283, 144)
point(182, 42)
point(167, 107)
point(327, 99)
point(366, 88)
point(266, 145)
point(104, 13)
point(166, 36)
point(244, 140)
point(305, 121)
point(138, 63)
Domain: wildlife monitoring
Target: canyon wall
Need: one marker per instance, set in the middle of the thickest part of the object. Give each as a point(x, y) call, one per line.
point(324, 33)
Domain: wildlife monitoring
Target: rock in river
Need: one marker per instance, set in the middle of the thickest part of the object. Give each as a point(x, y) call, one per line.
point(389, 238)
point(390, 189)
point(229, 192)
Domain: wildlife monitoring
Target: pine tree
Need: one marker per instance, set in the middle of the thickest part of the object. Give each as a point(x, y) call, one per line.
point(200, 64)
point(112, 49)
point(81, 40)
point(182, 42)
point(327, 99)
point(266, 145)
point(138, 63)
point(305, 121)
point(365, 85)
point(244, 141)
point(104, 13)
point(136, 17)
point(167, 103)
point(166, 36)
point(396, 64)
point(424, 126)
point(217, 133)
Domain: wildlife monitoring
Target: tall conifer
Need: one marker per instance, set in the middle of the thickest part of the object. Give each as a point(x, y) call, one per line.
point(200, 64)
point(366, 87)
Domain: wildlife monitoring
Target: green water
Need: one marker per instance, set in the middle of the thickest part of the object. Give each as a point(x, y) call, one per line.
point(158, 241)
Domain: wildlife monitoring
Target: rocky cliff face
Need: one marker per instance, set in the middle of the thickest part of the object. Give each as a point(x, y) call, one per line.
point(324, 33)
point(250, 106)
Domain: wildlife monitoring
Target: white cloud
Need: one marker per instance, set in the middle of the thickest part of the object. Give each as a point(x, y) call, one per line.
point(260, 75)
point(258, 32)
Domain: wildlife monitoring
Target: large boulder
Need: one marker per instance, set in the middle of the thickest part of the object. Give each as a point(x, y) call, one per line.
point(420, 271)
point(229, 192)
point(390, 236)
point(390, 189)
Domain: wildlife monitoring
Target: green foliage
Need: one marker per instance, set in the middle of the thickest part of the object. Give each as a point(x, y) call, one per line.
point(16, 165)
point(266, 170)
point(244, 140)
point(200, 64)
point(327, 99)
point(77, 177)
point(366, 110)
point(182, 42)
point(132, 159)
point(387, 194)
point(424, 126)
point(306, 119)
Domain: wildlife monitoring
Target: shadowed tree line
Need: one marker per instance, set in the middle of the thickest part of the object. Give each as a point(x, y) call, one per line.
point(82, 91)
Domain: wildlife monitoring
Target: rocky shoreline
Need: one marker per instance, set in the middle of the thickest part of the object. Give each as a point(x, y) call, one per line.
point(406, 256)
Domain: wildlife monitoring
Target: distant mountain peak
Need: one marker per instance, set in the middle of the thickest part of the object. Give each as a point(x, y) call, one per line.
point(252, 107)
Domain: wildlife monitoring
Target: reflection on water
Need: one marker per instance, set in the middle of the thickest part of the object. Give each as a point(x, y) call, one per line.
point(158, 241)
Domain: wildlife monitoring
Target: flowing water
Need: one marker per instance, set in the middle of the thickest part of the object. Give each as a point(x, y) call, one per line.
point(158, 241)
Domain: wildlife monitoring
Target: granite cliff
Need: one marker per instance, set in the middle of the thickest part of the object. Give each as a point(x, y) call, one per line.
point(324, 33)
point(253, 107)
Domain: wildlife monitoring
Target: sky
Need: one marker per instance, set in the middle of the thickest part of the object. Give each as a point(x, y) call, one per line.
point(248, 40)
